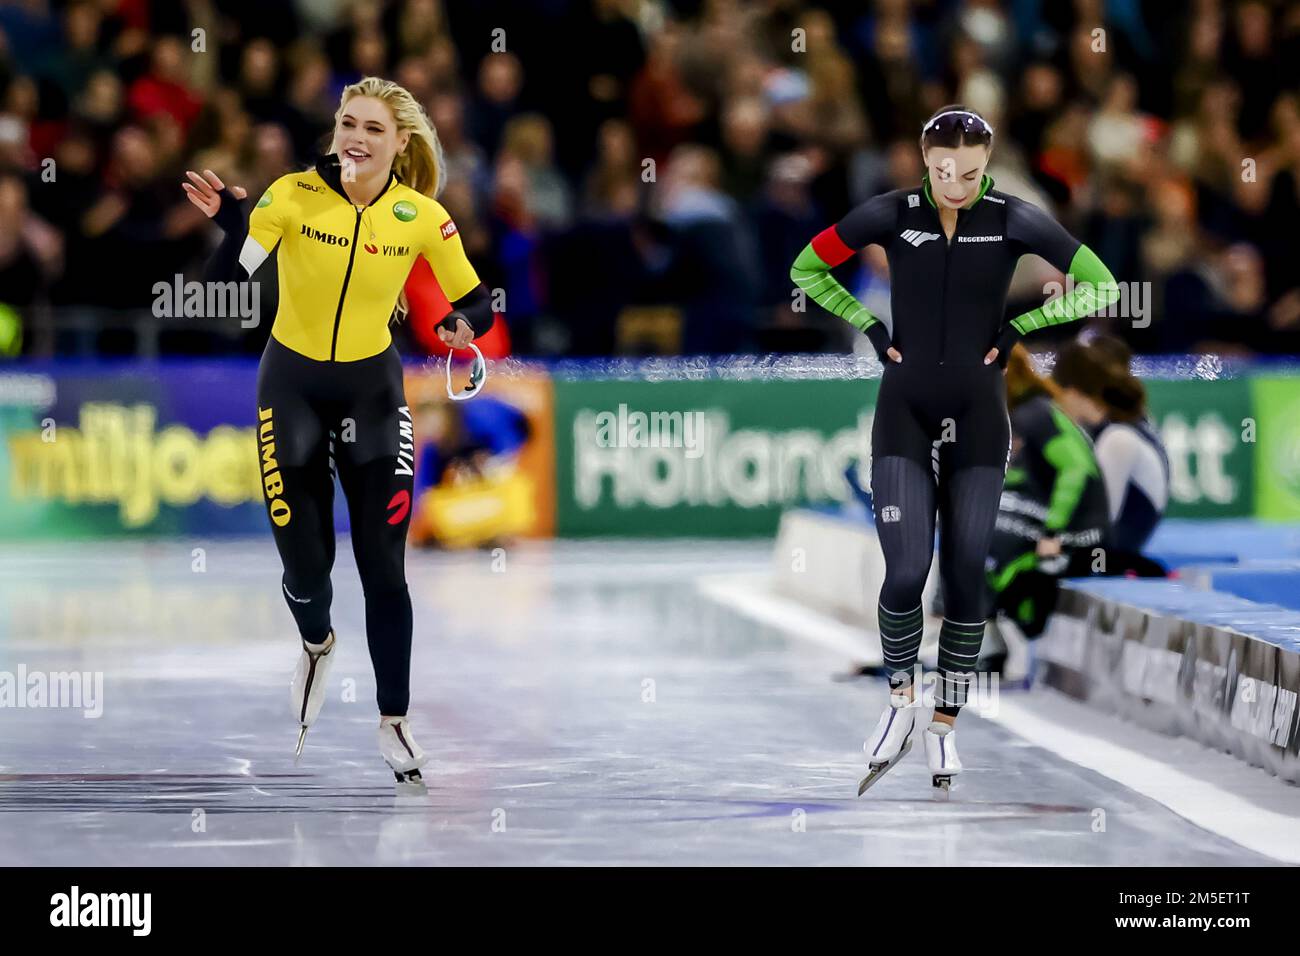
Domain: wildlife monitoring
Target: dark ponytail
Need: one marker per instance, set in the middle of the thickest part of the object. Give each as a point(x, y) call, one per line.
point(1093, 369)
point(1125, 397)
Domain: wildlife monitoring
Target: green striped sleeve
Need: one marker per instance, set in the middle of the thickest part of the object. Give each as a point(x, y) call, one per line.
point(813, 275)
point(1094, 290)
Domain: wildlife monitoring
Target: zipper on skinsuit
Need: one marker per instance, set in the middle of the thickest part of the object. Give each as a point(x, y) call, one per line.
point(943, 300)
point(347, 276)
point(352, 255)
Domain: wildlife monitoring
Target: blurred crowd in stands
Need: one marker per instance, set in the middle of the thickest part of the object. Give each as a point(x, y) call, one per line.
point(638, 175)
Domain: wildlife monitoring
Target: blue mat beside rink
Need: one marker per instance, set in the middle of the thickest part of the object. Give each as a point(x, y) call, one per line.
point(1241, 558)
point(1267, 582)
point(1177, 542)
point(1182, 541)
point(1244, 558)
point(1273, 623)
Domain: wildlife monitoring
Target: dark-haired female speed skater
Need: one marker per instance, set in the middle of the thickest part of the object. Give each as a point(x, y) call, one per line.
point(940, 439)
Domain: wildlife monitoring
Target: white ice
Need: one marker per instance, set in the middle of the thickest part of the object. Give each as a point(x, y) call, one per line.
point(582, 702)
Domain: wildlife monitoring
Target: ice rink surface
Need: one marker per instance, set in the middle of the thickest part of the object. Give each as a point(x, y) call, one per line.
point(582, 703)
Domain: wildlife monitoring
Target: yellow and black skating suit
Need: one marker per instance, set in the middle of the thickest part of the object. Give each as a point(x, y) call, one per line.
point(330, 397)
point(341, 268)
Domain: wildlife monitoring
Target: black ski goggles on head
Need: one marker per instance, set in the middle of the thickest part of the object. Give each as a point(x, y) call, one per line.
point(959, 121)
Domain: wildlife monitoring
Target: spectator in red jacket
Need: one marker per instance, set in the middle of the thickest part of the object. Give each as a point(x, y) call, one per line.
point(163, 88)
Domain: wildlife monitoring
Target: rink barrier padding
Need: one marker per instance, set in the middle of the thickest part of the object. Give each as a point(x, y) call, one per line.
point(834, 563)
point(1202, 664)
point(1175, 656)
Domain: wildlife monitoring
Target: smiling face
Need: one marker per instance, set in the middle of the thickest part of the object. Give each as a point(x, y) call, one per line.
point(955, 173)
point(366, 134)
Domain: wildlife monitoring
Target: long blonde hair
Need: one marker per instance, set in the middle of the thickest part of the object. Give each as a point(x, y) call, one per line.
point(422, 165)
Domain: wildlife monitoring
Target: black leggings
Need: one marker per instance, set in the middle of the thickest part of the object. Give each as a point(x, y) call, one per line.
point(939, 444)
point(317, 417)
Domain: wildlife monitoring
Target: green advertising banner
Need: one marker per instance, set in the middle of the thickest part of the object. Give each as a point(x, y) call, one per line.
point(720, 457)
point(1210, 447)
point(1277, 473)
point(710, 457)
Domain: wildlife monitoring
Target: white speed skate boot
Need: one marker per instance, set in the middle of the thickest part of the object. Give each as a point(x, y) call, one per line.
point(941, 754)
point(891, 740)
point(400, 750)
point(310, 680)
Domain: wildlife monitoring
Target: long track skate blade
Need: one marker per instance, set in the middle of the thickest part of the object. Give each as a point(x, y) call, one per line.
point(877, 772)
point(297, 751)
point(410, 783)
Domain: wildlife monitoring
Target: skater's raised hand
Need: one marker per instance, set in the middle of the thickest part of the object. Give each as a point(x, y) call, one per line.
point(205, 191)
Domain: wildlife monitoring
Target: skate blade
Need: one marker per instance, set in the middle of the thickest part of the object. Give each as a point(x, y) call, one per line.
point(877, 772)
point(942, 786)
point(410, 783)
point(297, 751)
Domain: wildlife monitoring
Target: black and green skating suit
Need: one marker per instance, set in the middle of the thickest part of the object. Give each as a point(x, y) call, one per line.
point(1054, 489)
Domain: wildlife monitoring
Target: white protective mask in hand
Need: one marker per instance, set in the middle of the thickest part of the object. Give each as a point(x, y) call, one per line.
point(477, 376)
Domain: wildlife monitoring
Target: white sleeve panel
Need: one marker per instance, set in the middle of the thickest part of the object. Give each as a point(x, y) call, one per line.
point(251, 256)
point(1117, 450)
point(1126, 457)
